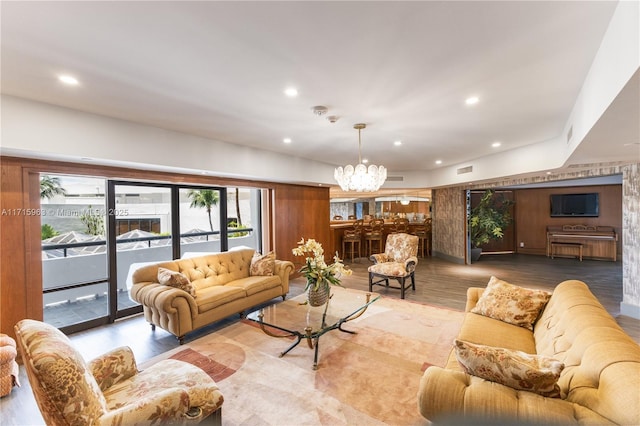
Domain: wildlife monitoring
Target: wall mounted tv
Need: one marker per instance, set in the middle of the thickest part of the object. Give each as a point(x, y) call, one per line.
point(572, 205)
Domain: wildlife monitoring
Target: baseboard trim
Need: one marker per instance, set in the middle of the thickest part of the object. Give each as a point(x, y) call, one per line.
point(448, 257)
point(629, 310)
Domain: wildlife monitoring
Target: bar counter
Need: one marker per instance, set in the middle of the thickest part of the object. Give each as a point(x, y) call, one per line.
point(337, 231)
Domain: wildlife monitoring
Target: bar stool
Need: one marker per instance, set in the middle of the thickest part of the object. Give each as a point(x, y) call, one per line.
point(353, 236)
point(423, 232)
point(373, 234)
point(400, 224)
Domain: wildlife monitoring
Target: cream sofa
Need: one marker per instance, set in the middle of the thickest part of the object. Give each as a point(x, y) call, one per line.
point(600, 382)
point(223, 287)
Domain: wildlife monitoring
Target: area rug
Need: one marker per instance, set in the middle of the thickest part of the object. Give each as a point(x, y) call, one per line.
point(368, 378)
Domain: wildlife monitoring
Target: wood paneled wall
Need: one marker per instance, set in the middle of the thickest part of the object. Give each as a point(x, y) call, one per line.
point(297, 211)
point(302, 212)
point(532, 210)
point(20, 267)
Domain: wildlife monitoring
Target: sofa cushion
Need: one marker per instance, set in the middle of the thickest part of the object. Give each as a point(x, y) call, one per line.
point(253, 285)
point(175, 279)
point(391, 269)
point(214, 296)
point(516, 369)
point(262, 264)
point(510, 303)
point(491, 332)
point(170, 374)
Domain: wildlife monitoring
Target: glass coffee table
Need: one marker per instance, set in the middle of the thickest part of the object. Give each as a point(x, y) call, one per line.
point(295, 318)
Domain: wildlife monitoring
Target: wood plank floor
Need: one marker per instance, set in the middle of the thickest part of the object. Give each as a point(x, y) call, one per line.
point(438, 282)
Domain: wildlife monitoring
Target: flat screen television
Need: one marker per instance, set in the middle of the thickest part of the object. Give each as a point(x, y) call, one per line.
point(570, 205)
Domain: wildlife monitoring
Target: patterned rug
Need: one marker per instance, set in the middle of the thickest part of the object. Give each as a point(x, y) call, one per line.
point(368, 378)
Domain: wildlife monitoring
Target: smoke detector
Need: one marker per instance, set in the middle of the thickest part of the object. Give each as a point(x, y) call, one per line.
point(319, 110)
point(333, 118)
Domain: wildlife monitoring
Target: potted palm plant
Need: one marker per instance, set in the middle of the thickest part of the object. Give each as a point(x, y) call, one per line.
point(488, 221)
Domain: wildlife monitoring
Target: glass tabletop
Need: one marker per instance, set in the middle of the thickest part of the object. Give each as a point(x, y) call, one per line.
point(296, 316)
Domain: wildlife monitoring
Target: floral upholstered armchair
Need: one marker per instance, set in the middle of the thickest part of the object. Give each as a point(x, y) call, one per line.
point(398, 262)
point(110, 390)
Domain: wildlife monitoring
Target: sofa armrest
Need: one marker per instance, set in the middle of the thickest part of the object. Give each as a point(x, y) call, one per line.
point(410, 264)
point(165, 299)
point(453, 397)
point(284, 269)
point(473, 295)
point(113, 367)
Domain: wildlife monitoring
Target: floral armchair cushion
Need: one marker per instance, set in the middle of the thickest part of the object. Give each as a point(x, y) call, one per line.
point(399, 257)
point(110, 389)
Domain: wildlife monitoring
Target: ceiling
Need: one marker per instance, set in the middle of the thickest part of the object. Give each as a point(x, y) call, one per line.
point(219, 70)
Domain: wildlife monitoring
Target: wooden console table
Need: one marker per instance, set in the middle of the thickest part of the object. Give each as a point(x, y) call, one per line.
point(598, 242)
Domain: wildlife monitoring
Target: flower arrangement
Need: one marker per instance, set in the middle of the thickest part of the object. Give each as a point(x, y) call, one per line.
point(316, 270)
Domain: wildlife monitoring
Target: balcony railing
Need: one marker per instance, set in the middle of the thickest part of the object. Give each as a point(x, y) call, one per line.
point(66, 246)
point(75, 275)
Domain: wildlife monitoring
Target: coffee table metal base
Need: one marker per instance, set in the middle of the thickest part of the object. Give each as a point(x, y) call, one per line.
point(312, 338)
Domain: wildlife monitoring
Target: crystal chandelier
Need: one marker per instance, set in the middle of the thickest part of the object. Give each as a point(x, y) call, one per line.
point(360, 178)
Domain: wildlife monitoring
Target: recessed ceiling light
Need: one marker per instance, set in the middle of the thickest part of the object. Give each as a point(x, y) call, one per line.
point(472, 100)
point(397, 143)
point(291, 92)
point(286, 140)
point(496, 144)
point(67, 79)
point(548, 173)
point(365, 161)
point(438, 161)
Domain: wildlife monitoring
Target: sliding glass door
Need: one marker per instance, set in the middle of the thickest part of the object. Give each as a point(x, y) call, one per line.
point(140, 225)
point(75, 266)
point(97, 232)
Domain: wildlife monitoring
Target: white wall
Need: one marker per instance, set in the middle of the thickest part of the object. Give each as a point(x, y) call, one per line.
point(46, 131)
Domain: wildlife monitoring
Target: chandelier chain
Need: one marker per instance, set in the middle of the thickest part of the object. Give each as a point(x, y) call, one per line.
point(360, 178)
point(359, 147)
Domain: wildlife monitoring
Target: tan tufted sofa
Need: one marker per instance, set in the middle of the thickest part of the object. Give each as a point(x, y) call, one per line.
point(600, 381)
point(223, 287)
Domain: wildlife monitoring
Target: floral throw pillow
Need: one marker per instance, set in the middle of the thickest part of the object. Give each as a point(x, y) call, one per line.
point(175, 279)
point(510, 303)
point(516, 369)
point(263, 264)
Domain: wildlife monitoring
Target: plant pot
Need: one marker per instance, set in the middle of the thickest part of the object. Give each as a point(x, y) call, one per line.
point(475, 254)
point(319, 296)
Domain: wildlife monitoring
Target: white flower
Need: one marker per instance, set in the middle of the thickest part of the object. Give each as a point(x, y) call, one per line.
point(316, 269)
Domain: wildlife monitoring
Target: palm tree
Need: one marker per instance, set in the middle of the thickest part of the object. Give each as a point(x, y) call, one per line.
point(50, 187)
point(239, 219)
point(204, 198)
